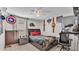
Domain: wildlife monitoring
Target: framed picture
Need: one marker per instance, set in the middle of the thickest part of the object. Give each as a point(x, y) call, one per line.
point(49, 20)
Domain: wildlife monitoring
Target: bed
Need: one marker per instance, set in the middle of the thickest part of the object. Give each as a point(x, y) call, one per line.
point(40, 41)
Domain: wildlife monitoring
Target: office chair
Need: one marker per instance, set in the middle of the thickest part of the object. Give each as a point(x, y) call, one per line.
point(64, 41)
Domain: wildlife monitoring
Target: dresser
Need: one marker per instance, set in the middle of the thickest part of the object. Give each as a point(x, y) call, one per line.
point(22, 41)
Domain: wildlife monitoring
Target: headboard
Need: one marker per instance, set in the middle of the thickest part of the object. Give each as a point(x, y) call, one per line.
point(32, 30)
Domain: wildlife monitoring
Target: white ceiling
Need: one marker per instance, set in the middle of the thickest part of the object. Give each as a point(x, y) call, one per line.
point(47, 11)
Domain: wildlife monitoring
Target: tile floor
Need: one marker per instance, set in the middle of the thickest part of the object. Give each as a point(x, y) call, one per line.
point(27, 47)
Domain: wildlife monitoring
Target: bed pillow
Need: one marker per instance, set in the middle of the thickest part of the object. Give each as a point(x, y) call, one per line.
point(35, 33)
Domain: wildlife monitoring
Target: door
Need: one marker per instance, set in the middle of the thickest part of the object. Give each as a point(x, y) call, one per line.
point(9, 37)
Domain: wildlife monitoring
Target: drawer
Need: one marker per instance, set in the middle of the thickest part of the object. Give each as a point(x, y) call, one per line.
point(23, 41)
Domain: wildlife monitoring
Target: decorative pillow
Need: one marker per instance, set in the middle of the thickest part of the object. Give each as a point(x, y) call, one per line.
point(35, 33)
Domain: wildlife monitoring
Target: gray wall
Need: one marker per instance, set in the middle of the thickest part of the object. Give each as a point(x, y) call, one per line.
point(67, 20)
point(78, 20)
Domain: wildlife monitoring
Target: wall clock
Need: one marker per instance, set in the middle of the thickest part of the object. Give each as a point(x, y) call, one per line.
point(11, 19)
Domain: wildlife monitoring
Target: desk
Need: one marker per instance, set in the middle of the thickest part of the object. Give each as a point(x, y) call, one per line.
point(74, 33)
point(69, 33)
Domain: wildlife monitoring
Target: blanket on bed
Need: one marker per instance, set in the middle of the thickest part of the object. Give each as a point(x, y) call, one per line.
point(37, 39)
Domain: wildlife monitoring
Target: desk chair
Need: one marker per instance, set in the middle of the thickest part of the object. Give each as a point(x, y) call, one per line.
point(64, 41)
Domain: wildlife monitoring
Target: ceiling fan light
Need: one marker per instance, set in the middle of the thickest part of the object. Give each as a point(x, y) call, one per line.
point(39, 13)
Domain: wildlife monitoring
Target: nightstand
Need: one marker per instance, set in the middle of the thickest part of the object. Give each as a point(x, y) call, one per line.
point(22, 41)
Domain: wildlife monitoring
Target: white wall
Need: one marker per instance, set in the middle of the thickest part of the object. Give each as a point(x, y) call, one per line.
point(2, 41)
point(38, 24)
point(48, 29)
point(2, 37)
point(20, 26)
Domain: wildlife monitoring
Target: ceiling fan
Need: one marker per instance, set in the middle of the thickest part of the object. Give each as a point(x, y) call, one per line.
point(38, 12)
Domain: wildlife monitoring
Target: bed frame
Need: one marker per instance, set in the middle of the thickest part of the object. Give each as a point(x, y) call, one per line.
point(54, 43)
